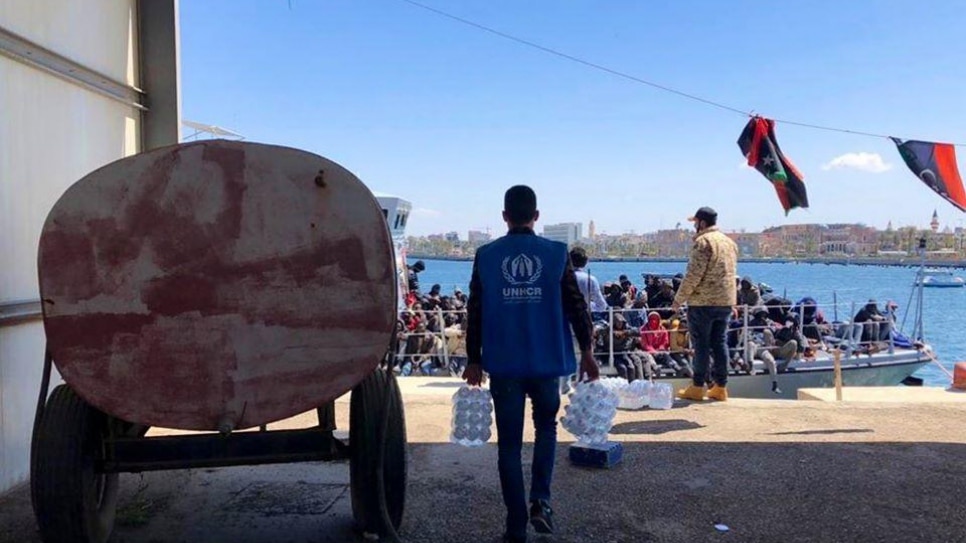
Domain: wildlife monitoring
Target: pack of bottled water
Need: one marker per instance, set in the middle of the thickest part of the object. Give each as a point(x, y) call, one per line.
point(634, 395)
point(661, 396)
point(472, 416)
point(590, 414)
point(613, 383)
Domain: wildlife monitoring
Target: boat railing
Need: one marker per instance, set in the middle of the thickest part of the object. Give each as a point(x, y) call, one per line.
point(449, 342)
point(439, 350)
point(846, 335)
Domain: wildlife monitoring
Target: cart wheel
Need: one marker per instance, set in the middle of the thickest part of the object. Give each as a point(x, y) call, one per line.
point(370, 401)
point(72, 502)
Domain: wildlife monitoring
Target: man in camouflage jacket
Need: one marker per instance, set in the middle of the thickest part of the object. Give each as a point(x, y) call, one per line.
point(708, 289)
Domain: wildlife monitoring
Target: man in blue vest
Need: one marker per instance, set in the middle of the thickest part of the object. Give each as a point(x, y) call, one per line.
point(523, 301)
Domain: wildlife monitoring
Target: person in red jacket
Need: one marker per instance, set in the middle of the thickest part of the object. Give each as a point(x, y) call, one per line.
point(656, 342)
point(654, 336)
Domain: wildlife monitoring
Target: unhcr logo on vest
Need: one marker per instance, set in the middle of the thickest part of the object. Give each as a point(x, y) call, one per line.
point(520, 273)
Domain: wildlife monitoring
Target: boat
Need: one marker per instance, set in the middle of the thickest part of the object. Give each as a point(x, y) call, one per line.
point(396, 211)
point(879, 369)
point(939, 278)
point(880, 363)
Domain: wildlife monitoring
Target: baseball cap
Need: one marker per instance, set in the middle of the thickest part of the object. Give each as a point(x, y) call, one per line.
point(705, 214)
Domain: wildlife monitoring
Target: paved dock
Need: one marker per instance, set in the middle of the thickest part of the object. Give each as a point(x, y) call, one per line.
point(903, 395)
point(772, 471)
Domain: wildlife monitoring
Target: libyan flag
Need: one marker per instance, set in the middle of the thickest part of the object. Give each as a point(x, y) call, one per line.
point(935, 165)
point(759, 145)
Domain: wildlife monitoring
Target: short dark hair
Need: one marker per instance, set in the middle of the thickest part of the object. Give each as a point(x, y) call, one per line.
point(578, 257)
point(520, 204)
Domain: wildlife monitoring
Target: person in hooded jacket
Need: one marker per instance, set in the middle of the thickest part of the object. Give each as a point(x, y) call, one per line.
point(812, 319)
point(652, 285)
point(656, 342)
point(748, 294)
point(663, 300)
point(413, 277)
point(627, 360)
point(763, 332)
point(754, 344)
point(637, 314)
point(615, 295)
point(680, 346)
point(628, 287)
point(875, 325)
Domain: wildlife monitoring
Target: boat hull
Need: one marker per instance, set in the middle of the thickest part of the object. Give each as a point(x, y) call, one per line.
point(876, 370)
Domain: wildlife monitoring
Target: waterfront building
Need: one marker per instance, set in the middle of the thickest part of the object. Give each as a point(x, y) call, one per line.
point(848, 239)
point(566, 232)
point(749, 243)
point(478, 236)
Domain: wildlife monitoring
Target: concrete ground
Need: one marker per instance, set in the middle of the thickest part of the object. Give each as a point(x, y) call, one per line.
point(772, 471)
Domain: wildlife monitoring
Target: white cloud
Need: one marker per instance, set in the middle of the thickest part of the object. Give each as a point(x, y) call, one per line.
point(866, 162)
point(426, 212)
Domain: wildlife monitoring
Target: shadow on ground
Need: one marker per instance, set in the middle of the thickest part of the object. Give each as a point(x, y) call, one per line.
point(831, 431)
point(442, 384)
point(663, 491)
point(653, 427)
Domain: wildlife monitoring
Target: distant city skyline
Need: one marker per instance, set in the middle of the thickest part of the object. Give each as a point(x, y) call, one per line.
point(789, 241)
point(932, 222)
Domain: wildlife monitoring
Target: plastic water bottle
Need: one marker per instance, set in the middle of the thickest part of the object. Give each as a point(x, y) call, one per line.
point(472, 416)
point(661, 397)
point(613, 383)
point(590, 414)
point(634, 395)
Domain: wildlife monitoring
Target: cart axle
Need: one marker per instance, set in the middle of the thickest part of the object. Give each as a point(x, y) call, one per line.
point(134, 455)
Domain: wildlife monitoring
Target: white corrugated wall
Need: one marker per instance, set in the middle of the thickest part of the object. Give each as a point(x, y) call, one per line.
point(52, 133)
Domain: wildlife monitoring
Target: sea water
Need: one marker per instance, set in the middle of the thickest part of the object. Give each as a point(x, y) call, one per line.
point(944, 311)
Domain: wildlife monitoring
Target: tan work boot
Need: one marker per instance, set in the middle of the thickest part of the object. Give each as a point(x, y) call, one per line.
point(718, 392)
point(693, 393)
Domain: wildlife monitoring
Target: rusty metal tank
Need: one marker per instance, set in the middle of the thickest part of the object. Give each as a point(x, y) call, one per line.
point(215, 284)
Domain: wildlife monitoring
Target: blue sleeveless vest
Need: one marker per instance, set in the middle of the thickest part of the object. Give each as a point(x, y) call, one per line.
point(525, 330)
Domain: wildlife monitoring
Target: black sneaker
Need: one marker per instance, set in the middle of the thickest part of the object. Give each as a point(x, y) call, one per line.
point(541, 517)
point(507, 538)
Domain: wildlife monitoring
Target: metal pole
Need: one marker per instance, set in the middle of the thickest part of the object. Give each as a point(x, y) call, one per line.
point(610, 330)
point(851, 346)
point(442, 333)
point(747, 344)
point(838, 375)
point(915, 286)
point(918, 331)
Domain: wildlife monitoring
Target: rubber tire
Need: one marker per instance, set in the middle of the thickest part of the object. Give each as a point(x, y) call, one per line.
point(370, 399)
point(73, 504)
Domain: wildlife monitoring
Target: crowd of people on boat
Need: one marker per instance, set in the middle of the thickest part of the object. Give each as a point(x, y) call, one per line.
point(638, 332)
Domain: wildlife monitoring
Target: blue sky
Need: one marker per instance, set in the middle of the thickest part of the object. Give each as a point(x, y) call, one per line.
point(448, 116)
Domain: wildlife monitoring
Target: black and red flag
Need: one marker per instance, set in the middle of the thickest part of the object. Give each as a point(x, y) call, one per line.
point(760, 146)
point(935, 165)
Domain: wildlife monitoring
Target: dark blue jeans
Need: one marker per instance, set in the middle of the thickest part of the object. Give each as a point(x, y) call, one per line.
point(708, 326)
point(509, 397)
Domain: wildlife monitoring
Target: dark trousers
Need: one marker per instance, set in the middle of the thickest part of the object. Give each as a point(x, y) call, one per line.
point(509, 397)
point(709, 326)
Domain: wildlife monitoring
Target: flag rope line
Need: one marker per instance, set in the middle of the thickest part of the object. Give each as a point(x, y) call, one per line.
point(634, 78)
point(572, 58)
